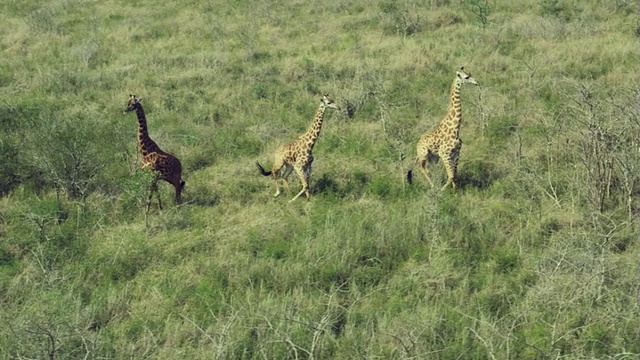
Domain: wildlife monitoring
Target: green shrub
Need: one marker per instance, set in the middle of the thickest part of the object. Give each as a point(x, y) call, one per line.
point(9, 166)
point(481, 9)
point(479, 174)
point(399, 20)
point(136, 190)
point(533, 256)
point(556, 9)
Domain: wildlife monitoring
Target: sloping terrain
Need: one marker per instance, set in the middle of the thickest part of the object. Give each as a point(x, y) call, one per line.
point(534, 257)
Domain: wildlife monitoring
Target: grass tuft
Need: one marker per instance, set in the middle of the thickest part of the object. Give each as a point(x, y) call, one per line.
point(533, 256)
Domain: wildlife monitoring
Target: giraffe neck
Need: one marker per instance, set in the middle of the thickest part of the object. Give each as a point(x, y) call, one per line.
point(311, 136)
point(454, 116)
point(145, 144)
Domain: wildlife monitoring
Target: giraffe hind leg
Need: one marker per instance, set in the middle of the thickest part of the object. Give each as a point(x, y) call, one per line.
point(276, 173)
point(423, 170)
point(285, 176)
point(159, 199)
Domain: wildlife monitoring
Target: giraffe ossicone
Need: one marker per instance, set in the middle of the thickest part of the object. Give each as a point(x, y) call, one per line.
point(297, 155)
point(444, 141)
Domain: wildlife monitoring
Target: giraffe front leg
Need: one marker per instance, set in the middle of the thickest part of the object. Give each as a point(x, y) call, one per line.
point(451, 173)
point(451, 166)
point(307, 173)
point(449, 182)
point(303, 179)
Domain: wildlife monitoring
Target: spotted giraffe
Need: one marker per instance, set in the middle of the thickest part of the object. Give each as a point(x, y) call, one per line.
point(444, 142)
point(166, 166)
point(297, 155)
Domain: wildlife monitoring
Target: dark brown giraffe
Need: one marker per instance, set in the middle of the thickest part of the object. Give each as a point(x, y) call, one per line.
point(444, 142)
point(166, 166)
point(297, 155)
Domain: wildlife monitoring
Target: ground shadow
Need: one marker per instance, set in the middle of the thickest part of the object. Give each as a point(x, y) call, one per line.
point(478, 174)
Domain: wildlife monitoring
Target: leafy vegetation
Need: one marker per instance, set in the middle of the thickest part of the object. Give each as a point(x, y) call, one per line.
point(534, 257)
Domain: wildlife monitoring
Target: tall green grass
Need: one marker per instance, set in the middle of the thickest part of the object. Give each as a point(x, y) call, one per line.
point(535, 256)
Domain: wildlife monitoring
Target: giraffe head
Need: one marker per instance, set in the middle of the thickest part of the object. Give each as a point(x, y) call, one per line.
point(329, 103)
point(465, 77)
point(133, 103)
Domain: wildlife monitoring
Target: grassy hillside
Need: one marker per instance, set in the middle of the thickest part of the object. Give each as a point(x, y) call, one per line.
point(534, 257)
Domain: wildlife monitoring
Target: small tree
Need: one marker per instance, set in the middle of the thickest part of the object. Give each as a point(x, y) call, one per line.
point(610, 147)
point(481, 9)
point(68, 157)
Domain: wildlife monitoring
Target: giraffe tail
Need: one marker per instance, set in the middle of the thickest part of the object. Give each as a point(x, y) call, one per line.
point(262, 170)
point(409, 175)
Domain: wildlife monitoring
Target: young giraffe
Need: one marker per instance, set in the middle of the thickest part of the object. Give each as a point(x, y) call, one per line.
point(166, 166)
point(297, 155)
point(444, 142)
